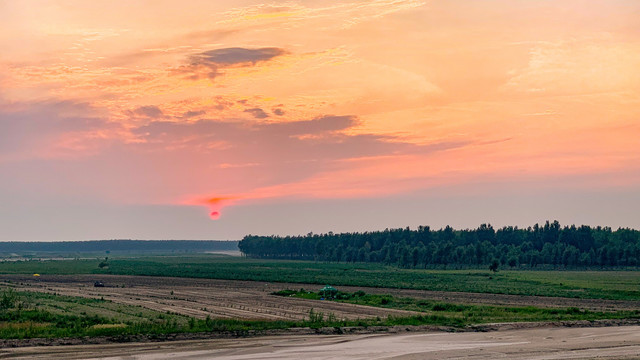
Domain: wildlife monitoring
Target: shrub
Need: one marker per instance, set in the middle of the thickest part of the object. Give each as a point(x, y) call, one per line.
point(9, 299)
point(285, 292)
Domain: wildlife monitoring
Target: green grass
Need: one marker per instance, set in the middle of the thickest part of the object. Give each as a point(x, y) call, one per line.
point(440, 313)
point(624, 285)
point(32, 314)
point(39, 323)
point(619, 285)
point(37, 315)
point(40, 315)
point(61, 267)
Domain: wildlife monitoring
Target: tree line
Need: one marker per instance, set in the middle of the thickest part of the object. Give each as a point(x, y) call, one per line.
point(124, 245)
point(539, 245)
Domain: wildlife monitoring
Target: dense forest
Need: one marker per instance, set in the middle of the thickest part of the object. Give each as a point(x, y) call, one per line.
point(537, 246)
point(118, 246)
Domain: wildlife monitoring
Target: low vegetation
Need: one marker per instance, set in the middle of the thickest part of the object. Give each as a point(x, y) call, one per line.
point(36, 315)
point(498, 262)
point(30, 314)
point(441, 313)
point(577, 284)
point(616, 285)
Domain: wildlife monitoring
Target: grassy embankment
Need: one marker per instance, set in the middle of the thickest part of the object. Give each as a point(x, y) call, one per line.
point(617, 285)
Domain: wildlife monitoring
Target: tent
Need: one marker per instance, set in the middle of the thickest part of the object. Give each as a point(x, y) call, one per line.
point(328, 291)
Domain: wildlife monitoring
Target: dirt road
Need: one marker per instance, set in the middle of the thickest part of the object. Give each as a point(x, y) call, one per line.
point(541, 343)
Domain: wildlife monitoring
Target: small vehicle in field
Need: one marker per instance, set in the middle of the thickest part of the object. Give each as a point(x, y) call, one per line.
point(98, 284)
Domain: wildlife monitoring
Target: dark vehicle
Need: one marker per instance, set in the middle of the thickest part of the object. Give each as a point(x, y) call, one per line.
point(98, 284)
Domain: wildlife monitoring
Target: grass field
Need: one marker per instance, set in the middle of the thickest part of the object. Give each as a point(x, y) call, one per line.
point(52, 315)
point(40, 315)
point(462, 314)
point(31, 314)
point(617, 285)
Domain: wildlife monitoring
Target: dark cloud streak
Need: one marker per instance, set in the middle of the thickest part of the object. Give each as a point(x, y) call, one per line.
point(149, 111)
point(236, 55)
point(257, 113)
point(208, 63)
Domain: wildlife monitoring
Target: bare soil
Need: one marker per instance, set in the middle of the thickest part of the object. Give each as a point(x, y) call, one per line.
point(197, 297)
point(253, 300)
point(536, 343)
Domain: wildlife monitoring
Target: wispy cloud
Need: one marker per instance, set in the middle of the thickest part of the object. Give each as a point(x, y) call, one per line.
point(343, 14)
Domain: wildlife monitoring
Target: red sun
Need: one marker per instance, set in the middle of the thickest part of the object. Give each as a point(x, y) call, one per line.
point(215, 215)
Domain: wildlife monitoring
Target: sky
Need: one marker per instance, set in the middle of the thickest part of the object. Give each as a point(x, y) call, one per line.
point(217, 119)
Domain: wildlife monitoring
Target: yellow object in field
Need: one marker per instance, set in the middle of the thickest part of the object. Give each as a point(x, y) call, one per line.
point(36, 274)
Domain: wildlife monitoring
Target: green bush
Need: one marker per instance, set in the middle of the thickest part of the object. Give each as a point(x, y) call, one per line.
point(9, 299)
point(285, 292)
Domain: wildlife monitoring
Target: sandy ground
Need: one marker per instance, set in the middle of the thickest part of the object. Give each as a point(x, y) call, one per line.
point(542, 343)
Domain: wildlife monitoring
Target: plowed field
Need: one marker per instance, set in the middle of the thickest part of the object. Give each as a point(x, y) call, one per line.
point(197, 297)
point(253, 300)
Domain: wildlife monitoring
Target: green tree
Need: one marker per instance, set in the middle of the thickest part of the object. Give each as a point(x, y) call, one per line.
point(494, 265)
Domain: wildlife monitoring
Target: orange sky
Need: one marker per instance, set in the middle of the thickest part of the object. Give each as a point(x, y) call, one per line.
point(170, 104)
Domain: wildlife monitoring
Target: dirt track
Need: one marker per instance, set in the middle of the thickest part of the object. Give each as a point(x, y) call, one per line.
point(540, 343)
